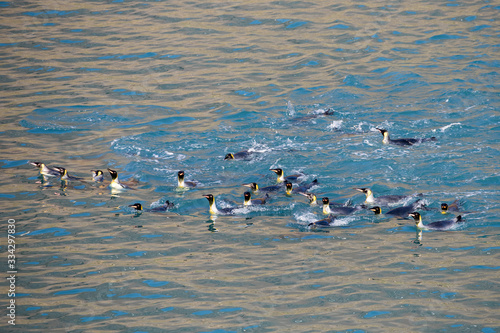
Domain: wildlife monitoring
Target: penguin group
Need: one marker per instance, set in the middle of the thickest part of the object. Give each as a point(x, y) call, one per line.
point(399, 206)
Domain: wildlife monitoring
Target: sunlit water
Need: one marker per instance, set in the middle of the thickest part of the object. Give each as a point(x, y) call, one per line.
point(149, 88)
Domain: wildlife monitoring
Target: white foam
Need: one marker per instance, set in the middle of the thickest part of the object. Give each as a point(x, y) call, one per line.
point(444, 128)
point(335, 125)
point(290, 109)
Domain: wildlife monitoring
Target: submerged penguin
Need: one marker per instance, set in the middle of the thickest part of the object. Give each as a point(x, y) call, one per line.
point(267, 189)
point(249, 201)
point(404, 141)
point(64, 174)
point(97, 175)
point(330, 221)
point(339, 210)
point(45, 170)
point(217, 211)
point(301, 189)
point(161, 208)
point(115, 182)
point(402, 211)
point(181, 183)
point(438, 225)
point(282, 178)
point(244, 155)
point(454, 207)
point(383, 200)
point(313, 200)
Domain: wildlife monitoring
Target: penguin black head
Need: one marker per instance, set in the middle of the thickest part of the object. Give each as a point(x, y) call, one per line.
point(37, 164)
point(180, 174)
point(229, 157)
point(253, 186)
point(382, 131)
point(416, 216)
point(310, 196)
point(209, 197)
point(444, 207)
point(136, 206)
point(61, 170)
point(289, 187)
point(247, 196)
point(113, 173)
point(325, 201)
point(364, 190)
point(376, 210)
point(97, 175)
point(278, 171)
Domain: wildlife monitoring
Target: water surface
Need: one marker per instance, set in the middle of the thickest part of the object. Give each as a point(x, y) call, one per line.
point(149, 88)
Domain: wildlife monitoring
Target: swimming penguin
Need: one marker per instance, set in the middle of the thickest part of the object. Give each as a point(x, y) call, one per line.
point(339, 210)
point(282, 178)
point(300, 189)
point(161, 208)
point(242, 155)
point(97, 175)
point(115, 182)
point(313, 200)
point(45, 170)
point(454, 207)
point(213, 208)
point(402, 142)
point(382, 200)
point(438, 225)
point(401, 212)
point(330, 221)
point(315, 114)
point(255, 188)
point(136, 206)
point(64, 174)
point(182, 183)
point(249, 201)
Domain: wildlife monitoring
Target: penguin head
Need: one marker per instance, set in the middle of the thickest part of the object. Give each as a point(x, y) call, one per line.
point(96, 173)
point(180, 175)
point(416, 216)
point(253, 186)
point(247, 196)
point(310, 196)
point(366, 191)
point(113, 174)
point(209, 197)
point(289, 187)
point(385, 134)
point(136, 206)
point(325, 201)
point(37, 164)
point(376, 210)
point(229, 157)
point(61, 170)
point(444, 208)
point(278, 171)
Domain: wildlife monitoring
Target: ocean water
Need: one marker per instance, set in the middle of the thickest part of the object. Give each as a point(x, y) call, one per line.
point(149, 88)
